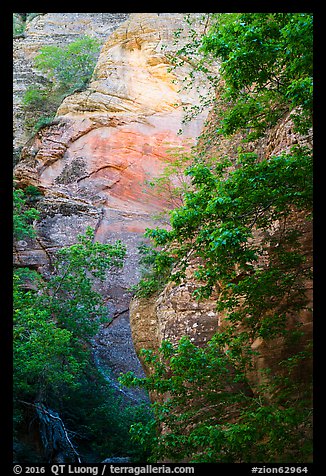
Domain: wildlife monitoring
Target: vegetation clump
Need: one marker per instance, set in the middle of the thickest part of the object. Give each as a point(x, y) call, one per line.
point(23, 214)
point(243, 217)
point(55, 319)
point(66, 70)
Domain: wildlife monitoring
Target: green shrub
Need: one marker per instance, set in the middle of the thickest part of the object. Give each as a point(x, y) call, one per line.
point(67, 69)
point(32, 192)
point(155, 269)
point(210, 407)
point(70, 67)
point(54, 324)
point(211, 416)
point(34, 98)
point(39, 107)
point(43, 121)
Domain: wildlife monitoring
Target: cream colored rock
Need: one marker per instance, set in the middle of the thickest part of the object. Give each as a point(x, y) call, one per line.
point(109, 140)
point(56, 29)
point(133, 73)
point(119, 133)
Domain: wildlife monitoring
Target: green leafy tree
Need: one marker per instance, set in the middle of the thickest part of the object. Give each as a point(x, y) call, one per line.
point(55, 320)
point(267, 68)
point(45, 357)
point(70, 67)
point(237, 218)
point(64, 313)
point(172, 183)
point(155, 269)
point(67, 69)
point(34, 98)
point(72, 298)
point(205, 411)
point(217, 224)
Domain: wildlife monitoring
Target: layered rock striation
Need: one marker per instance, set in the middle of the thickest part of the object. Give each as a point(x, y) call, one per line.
point(92, 163)
point(108, 140)
point(50, 29)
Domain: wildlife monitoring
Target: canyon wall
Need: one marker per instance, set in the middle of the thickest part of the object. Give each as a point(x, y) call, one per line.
point(92, 163)
point(50, 29)
point(107, 141)
point(175, 312)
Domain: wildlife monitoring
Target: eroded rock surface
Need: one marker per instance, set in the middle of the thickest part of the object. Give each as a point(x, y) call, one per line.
point(50, 29)
point(175, 312)
point(93, 162)
point(91, 166)
point(106, 144)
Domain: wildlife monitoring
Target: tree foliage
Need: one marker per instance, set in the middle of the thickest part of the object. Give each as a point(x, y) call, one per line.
point(77, 306)
point(243, 220)
point(23, 215)
point(66, 69)
point(207, 413)
point(155, 267)
point(267, 67)
point(71, 66)
point(55, 320)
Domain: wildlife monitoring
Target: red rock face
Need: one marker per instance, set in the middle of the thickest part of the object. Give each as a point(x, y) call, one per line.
point(119, 134)
point(111, 166)
point(111, 139)
point(121, 161)
point(104, 166)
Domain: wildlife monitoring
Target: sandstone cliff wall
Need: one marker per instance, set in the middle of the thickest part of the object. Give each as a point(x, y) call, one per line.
point(92, 163)
point(175, 312)
point(108, 140)
point(55, 29)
